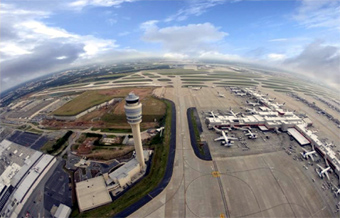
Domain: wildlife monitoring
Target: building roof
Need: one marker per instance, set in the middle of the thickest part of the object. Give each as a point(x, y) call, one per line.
point(92, 193)
point(30, 179)
point(63, 211)
point(132, 97)
point(298, 136)
point(124, 170)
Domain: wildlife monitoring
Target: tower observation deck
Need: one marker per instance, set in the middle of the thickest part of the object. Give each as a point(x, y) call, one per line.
point(133, 111)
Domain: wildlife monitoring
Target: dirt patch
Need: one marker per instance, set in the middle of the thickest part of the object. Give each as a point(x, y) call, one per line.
point(108, 154)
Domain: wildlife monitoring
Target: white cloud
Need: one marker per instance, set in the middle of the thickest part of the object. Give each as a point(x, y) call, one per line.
point(80, 4)
point(276, 57)
point(188, 39)
point(39, 29)
point(278, 40)
point(213, 55)
point(30, 48)
point(318, 60)
point(175, 56)
point(194, 8)
point(61, 57)
point(12, 49)
point(325, 13)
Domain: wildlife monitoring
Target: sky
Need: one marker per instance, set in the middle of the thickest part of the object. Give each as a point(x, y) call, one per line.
point(38, 37)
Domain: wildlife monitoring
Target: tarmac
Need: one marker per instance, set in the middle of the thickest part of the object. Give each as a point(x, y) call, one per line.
point(259, 184)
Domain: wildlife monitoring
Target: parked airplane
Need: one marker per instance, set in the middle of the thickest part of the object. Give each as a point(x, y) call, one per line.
point(324, 171)
point(307, 154)
point(271, 99)
point(160, 130)
point(251, 111)
point(251, 135)
point(253, 103)
point(220, 95)
point(280, 105)
point(196, 88)
point(241, 94)
point(226, 141)
point(232, 113)
point(211, 114)
point(337, 192)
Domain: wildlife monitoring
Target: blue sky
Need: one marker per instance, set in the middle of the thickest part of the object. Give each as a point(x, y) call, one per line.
point(39, 37)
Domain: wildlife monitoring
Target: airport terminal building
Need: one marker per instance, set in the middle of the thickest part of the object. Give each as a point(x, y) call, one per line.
point(22, 169)
point(275, 118)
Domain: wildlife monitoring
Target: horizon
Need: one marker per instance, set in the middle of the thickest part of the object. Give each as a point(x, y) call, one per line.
point(39, 38)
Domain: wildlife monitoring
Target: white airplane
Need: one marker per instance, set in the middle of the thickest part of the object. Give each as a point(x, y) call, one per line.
point(307, 154)
point(232, 113)
point(241, 94)
point(251, 111)
point(251, 135)
point(226, 141)
point(220, 130)
point(280, 105)
point(211, 114)
point(160, 130)
point(196, 88)
point(253, 103)
point(337, 192)
point(220, 95)
point(324, 171)
point(271, 99)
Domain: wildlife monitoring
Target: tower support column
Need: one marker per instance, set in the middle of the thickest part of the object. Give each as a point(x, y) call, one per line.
point(138, 144)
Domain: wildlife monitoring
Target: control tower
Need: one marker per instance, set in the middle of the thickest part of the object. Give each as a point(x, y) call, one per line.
point(133, 111)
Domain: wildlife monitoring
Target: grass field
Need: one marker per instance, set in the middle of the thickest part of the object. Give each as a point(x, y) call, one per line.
point(174, 72)
point(132, 80)
point(164, 80)
point(161, 151)
point(92, 98)
point(152, 109)
point(82, 102)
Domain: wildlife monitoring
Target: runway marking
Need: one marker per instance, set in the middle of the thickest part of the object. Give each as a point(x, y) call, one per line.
point(222, 215)
point(215, 174)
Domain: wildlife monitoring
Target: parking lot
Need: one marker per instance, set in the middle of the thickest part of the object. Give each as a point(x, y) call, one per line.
point(28, 139)
point(57, 189)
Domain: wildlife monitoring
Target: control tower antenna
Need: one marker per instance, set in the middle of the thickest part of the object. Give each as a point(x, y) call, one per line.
point(133, 111)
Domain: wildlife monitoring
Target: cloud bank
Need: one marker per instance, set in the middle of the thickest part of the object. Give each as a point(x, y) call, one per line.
point(190, 39)
point(319, 61)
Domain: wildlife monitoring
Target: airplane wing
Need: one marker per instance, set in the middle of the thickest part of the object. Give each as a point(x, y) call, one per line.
point(311, 157)
point(326, 173)
point(219, 139)
point(320, 167)
point(304, 150)
point(217, 130)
